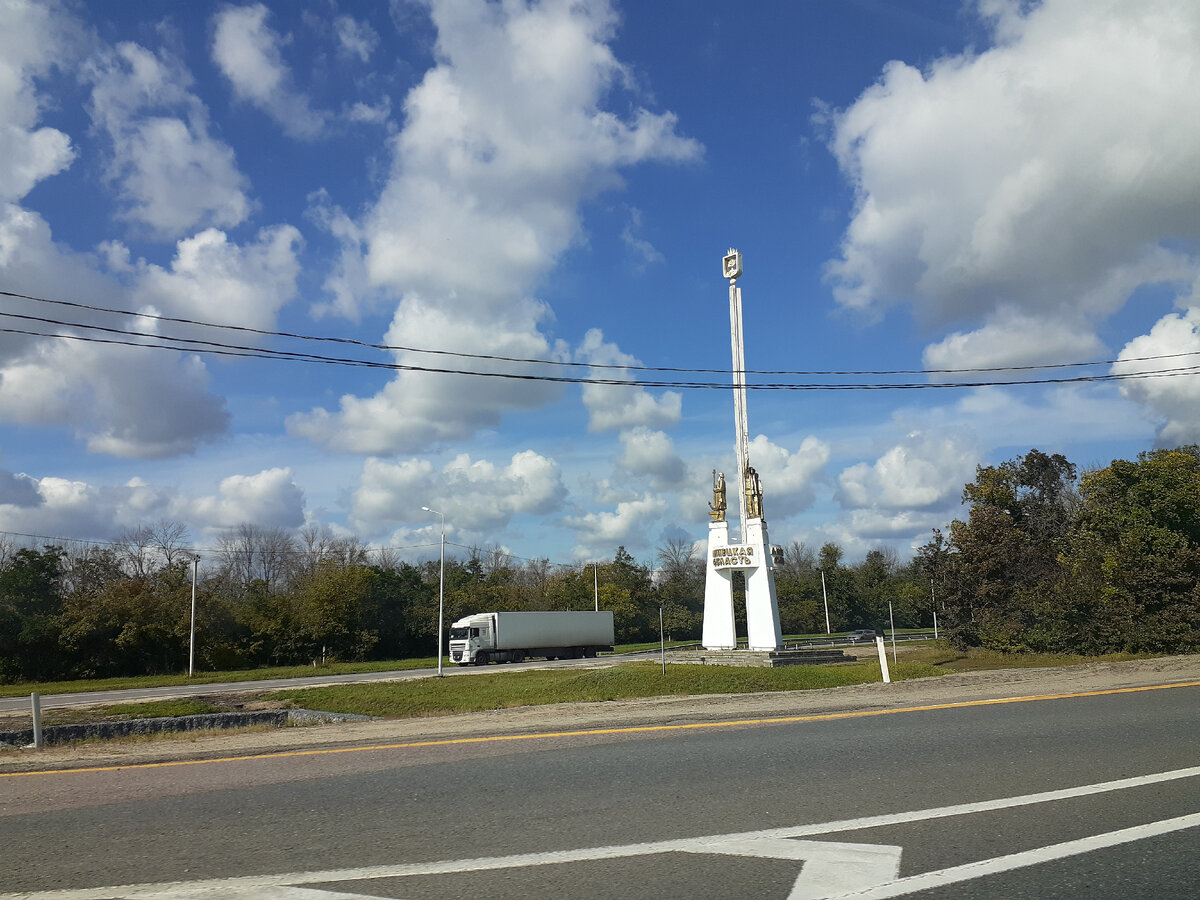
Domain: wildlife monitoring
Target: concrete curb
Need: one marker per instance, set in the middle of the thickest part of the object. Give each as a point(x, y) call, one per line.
point(274, 718)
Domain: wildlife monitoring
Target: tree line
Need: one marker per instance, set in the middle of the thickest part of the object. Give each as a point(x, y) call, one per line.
point(1045, 560)
point(1051, 561)
point(268, 597)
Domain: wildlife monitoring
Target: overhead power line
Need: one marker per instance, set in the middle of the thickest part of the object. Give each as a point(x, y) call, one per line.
point(569, 363)
point(155, 340)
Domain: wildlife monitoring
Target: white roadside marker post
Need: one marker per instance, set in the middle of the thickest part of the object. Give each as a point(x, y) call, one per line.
point(36, 700)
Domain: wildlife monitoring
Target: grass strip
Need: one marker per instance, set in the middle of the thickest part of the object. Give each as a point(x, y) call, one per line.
point(509, 689)
point(976, 660)
point(87, 685)
point(145, 681)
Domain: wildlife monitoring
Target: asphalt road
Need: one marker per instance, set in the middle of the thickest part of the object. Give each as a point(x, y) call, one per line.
point(1092, 796)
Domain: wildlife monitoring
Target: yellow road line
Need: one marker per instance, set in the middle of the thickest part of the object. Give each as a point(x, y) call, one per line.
point(631, 729)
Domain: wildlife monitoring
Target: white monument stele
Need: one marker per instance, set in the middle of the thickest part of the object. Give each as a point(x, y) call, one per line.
point(752, 554)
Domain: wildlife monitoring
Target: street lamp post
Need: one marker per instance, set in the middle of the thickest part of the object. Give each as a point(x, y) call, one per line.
point(192, 631)
point(441, 587)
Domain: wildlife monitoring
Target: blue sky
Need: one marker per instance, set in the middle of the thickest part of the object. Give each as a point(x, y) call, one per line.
point(914, 186)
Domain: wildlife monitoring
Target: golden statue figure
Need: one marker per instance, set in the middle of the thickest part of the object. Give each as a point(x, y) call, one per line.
point(754, 494)
point(716, 509)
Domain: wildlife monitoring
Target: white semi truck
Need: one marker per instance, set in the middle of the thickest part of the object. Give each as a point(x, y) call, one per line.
point(513, 636)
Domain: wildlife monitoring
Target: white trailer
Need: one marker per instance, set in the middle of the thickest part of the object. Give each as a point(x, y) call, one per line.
point(513, 636)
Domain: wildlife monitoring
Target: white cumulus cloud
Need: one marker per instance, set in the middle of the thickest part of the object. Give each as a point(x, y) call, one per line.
point(598, 532)
point(503, 139)
point(418, 409)
point(1030, 187)
point(268, 499)
point(32, 40)
point(248, 52)
point(355, 38)
point(145, 404)
point(612, 407)
point(171, 174)
point(478, 497)
point(788, 476)
point(213, 279)
point(925, 470)
point(652, 453)
point(1174, 400)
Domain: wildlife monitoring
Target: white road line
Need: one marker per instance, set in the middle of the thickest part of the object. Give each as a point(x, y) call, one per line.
point(708, 844)
point(969, 871)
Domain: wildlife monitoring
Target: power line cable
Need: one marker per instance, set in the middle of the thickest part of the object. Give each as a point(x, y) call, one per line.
point(263, 353)
point(563, 363)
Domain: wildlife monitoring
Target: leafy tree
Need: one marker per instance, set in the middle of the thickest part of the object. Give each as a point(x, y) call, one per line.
point(573, 589)
point(680, 588)
point(839, 587)
point(630, 596)
point(1005, 556)
point(934, 564)
point(1133, 564)
point(396, 592)
point(330, 605)
point(30, 614)
point(628, 619)
point(872, 586)
point(798, 590)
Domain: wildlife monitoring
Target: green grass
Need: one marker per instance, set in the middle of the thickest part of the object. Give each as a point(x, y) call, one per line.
point(428, 662)
point(116, 684)
point(144, 681)
point(947, 659)
point(446, 696)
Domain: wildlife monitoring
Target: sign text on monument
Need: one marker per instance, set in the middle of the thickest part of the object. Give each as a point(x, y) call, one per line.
point(737, 557)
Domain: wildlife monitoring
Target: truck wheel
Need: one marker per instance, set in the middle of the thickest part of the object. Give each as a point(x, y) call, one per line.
point(590, 652)
point(518, 656)
point(481, 659)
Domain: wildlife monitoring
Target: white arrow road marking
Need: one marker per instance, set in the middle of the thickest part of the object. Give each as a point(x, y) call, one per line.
point(830, 867)
point(772, 843)
point(970, 871)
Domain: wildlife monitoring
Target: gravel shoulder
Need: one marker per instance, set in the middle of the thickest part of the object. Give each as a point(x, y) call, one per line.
point(999, 684)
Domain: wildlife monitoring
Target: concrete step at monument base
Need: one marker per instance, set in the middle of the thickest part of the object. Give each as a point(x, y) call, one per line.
point(762, 658)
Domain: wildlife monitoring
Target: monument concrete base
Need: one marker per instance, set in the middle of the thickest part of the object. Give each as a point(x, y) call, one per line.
point(761, 658)
point(753, 558)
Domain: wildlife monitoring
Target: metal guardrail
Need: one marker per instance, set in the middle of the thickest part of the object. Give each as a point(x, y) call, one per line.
point(842, 641)
point(814, 644)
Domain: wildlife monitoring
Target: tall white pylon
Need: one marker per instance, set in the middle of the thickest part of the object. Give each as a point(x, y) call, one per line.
point(752, 554)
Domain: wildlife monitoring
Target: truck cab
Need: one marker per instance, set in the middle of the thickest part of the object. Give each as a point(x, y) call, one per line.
point(468, 637)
